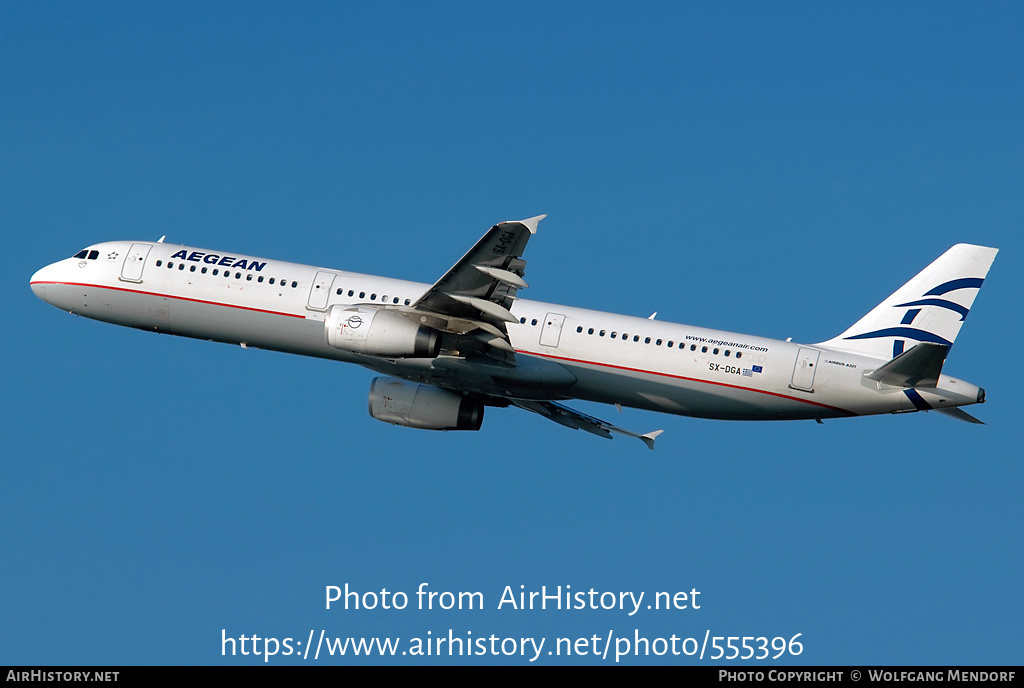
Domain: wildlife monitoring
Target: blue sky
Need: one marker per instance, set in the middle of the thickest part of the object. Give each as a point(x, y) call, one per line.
point(776, 170)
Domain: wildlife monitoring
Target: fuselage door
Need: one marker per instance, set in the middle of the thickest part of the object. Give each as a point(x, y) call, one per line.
point(552, 329)
point(134, 262)
point(321, 290)
point(803, 371)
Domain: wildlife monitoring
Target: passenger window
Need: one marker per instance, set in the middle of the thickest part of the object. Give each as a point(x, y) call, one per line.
point(170, 265)
point(294, 285)
point(373, 297)
point(271, 279)
point(407, 302)
point(693, 347)
point(395, 300)
point(192, 268)
point(703, 349)
point(613, 334)
point(726, 352)
point(248, 276)
point(238, 275)
point(522, 321)
point(204, 272)
point(601, 333)
point(590, 331)
point(739, 354)
point(636, 338)
point(579, 329)
point(362, 294)
point(259, 279)
point(215, 272)
point(534, 321)
point(339, 292)
point(351, 293)
point(181, 266)
point(159, 263)
point(657, 343)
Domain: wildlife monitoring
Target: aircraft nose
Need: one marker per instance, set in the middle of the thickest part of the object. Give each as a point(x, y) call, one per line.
point(36, 282)
point(42, 278)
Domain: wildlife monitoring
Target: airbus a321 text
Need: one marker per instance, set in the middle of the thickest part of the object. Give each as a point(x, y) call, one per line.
point(448, 350)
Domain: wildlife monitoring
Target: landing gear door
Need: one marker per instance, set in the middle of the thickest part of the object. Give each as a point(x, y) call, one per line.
point(803, 370)
point(320, 290)
point(134, 262)
point(551, 331)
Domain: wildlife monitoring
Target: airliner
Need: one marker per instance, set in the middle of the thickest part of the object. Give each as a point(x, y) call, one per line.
point(447, 351)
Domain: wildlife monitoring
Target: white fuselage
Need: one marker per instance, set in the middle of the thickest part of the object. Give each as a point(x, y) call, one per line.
point(564, 352)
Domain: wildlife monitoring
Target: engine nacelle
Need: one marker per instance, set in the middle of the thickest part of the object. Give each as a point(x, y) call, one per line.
point(422, 406)
point(379, 333)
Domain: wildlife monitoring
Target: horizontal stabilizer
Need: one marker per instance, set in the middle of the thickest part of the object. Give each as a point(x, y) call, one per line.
point(919, 366)
point(959, 414)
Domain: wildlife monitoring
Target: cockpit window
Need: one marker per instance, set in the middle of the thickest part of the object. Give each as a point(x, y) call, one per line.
point(87, 254)
point(93, 255)
point(83, 253)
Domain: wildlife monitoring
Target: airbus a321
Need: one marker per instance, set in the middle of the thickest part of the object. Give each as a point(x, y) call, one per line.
point(449, 350)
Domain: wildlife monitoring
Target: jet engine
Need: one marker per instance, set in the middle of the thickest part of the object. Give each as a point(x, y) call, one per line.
point(422, 406)
point(379, 333)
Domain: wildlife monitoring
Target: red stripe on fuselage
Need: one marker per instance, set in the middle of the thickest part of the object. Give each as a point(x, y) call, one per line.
point(688, 379)
point(523, 351)
point(171, 296)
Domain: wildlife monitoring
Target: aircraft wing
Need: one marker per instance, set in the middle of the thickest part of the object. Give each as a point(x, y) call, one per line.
point(581, 421)
point(475, 295)
point(473, 301)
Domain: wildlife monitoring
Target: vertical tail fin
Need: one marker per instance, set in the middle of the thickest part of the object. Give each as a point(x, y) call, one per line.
point(931, 307)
